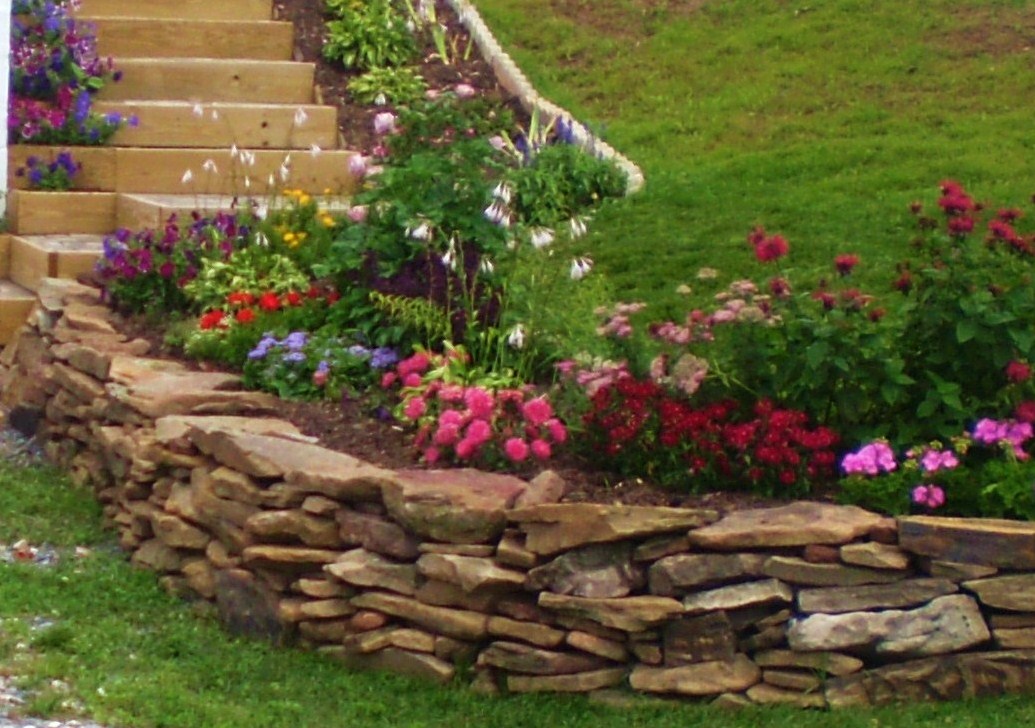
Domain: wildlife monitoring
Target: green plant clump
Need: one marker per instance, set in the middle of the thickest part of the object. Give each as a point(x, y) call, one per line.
point(372, 35)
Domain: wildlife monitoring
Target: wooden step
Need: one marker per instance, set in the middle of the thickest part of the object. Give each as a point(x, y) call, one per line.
point(34, 257)
point(15, 304)
point(142, 38)
point(143, 211)
point(255, 126)
point(132, 169)
point(44, 213)
point(212, 79)
point(183, 9)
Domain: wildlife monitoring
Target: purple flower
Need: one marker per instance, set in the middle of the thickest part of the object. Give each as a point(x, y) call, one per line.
point(295, 341)
point(383, 357)
point(935, 460)
point(294, 356)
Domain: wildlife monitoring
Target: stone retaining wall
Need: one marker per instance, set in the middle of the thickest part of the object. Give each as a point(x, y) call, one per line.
point(418, 571)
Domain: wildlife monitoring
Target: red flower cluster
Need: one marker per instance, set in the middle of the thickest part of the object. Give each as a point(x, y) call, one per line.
point(768, 247)
point(244, 306)
point(768, 449)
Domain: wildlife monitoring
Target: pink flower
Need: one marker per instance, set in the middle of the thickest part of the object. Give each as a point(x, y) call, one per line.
point(412, 380)
point(451, 393)
point(357, 214)
point(541, 449)
point(432, 455)
point(1025, 411)
point(845, 263)
point(415, 407)
point(478, 432)
point(388, 379)
point(417, 363)
point(768, 248)
point(935, 460)
point(480, 402)
point(452, 417)
point(516, 449)
point(870, 459)
point(319, 378)
point(537, 411)
point(930, 496)
point(384, 123)
point(446, 434)
point(558, 432)
point(466, 449)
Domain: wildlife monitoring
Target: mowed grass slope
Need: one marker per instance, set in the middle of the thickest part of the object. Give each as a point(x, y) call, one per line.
point(822, 120)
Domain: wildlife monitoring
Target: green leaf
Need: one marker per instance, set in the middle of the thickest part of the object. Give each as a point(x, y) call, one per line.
point(816, 354)
point(966, 329)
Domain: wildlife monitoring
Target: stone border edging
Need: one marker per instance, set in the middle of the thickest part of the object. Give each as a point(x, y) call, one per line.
point(513, 80)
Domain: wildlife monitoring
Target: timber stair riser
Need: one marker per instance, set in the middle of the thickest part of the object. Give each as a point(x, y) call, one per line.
point(206, 80)
point(142, 38)
point(179, 9)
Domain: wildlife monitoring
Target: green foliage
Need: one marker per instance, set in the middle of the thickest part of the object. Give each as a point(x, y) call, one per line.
point(373, 35)
point(302, 229)
point(441, 121)
point(561, 181)
point(397, 86)
point(254, 269)
point(429, 322)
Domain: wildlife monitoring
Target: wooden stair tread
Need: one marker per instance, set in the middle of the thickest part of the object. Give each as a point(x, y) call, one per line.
point(198, 9)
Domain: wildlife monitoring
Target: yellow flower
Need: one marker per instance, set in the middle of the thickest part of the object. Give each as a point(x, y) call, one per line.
point(304, 199)
point(301, 236)
point(327, 221)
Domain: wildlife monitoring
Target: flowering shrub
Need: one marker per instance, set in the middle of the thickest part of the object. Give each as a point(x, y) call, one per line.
point(252, 268)
point(987, 471)
point(55, 70)
point(305, 366)
point(302, 229)
point(57, 175)
point(149, 270)
point(489, 422)
point(640, 428)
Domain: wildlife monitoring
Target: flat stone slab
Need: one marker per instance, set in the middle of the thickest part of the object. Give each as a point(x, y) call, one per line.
point(579, 682)
point(177, 428)
point(455, 506)
point(470, 573)
point(875, 555)
point(552, 528)
point(952, 677)
point(703, 678)
point(517, 657)
point(603, 571)
point(799, 571)
point(673, 575)
point(906, 593)
point(630, 614)
point(947, 624)
point(830, 663)
point(1015, 593)
point(985, 541)
point(360, 567)
point(738, 596)
point(456, 623)
point(796, 524)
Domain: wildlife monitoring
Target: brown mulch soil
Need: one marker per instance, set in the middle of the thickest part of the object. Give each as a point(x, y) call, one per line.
point(353, 425)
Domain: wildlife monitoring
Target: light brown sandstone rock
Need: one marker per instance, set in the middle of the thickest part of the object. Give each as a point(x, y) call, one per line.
point(629, 614)
point(403, 662)
point(703, 678)
point(796, 524)
point(707, 638)
point(830, 663)
point(360, 567)
point(907, 593)
point(594, 645)
point(562, 526)
point(599, 571)
point(293, 526)
point(289, 557)
point(1015, 592)
point(177, 533)
point(766, 591)
point(518, 657)
point(798, 571)
point(580, 682)
point(673, 575)
point(875, 555)
point(375, 533)
point(470, 573)
point(531, 632)
point(766, 694)
point(983, 541)
point(463, 625)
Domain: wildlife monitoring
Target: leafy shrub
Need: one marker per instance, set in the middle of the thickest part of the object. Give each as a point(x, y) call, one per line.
point(562, 181)
point(444, 120)
point(372, 35)
point(251, 270)
point(397, 86)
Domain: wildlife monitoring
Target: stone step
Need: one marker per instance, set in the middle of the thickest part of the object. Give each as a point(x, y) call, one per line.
point(146, 38)
point(254, 126)
point(161, 171)
point(34, 257)
point(183, 9)
point(15, 304)
point(45, 213)
point(212, 79)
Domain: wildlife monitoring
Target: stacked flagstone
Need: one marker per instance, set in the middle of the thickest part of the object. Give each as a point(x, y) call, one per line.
point(416, 571)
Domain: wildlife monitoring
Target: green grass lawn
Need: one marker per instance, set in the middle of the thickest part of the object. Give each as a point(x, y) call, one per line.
point(821, 120)
point(132, 656)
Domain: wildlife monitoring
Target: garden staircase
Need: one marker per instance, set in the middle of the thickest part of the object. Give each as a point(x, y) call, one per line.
point(203, 77)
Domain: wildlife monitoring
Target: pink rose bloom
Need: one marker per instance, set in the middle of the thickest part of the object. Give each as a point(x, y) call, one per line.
point(541, 449)
point(415, 407)
point(478, 432)
point(357, 214)
point(452, 418)
point(516, 449)
point(480, 402)
point(446, 435)
point(432, 455)
point(558, 432)
point(537, 411)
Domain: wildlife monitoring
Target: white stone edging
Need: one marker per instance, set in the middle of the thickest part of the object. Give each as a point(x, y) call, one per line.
point(514, 81)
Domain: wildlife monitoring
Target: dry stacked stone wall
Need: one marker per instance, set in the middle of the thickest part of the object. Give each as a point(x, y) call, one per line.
point(417, 571)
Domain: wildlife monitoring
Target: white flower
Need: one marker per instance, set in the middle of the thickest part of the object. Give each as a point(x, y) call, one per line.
point(498, 214)
point(315, 150)
point(271, 181)
point(421, 232)
point(210, 166)
point(380, 100)
point(214, 115)
point(502, 192)
point(234, 152)
point(262, 240)
point(580, 268)
point(247, 182)
point(449, 260)
point(541, 237)
point(486, 266)
point(578, 227)
point(358, 166)
point(248, 158)
point(301, 117)
point(516, 338)
point(285, 172)
point(187, 177)
point(198, 110)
